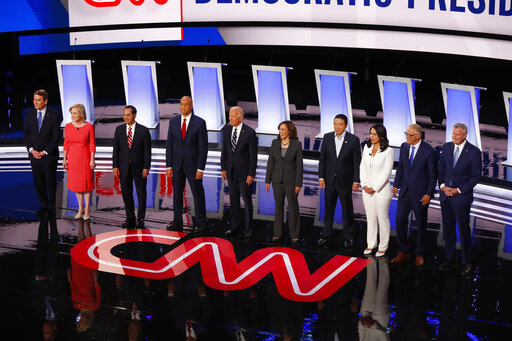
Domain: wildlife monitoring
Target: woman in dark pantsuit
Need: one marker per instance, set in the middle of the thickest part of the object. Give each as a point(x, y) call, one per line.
point(284, 170)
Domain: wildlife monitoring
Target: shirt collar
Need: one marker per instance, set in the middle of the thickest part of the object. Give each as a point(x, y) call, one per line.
point(238, 126)
point(461, 146)
point(342, 136)
point(416, 146)
point(133, 126)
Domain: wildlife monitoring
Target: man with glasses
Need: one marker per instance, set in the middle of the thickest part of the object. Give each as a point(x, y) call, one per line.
point(416, 179)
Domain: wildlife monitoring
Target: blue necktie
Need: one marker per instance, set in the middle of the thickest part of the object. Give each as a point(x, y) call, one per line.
point(233, 141)
point(456, 156)
point(411, 157)
point(39, 120)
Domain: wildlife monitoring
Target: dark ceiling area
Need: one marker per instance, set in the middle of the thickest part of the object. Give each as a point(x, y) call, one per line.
point(23, 74)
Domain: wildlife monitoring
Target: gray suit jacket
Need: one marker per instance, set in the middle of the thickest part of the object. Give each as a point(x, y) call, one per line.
point(287, 170)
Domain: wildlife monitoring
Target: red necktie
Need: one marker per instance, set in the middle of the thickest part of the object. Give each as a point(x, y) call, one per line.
point(184, 128)
point(129, 138)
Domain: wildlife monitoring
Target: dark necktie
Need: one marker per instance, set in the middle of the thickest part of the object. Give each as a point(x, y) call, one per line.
point(411, 157)
point(129, 138)
point(233, 141)
point(184, 129)
point(39, 120)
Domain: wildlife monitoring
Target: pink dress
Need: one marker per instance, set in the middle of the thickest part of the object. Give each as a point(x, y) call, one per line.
point(79, 143)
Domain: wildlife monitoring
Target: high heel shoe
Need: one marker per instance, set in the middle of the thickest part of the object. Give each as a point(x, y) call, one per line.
point(87, 217)
point(78, 215)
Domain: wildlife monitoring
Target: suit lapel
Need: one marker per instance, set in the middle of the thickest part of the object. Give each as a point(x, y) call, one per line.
point(189, 128)
point(450, 156)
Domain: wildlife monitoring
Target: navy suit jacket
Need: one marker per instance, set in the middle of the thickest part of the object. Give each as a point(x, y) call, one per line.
point(466, 173)
point(139, 156)
point(344, 167)
point(242, 162)
point(420, 178)
point(47, 138)
point(190, 154)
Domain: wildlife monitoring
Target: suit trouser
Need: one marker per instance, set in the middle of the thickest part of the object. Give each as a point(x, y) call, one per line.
point(405, 205)
point(196, 185)
point(377, 217)
point(127, 181)
point(453, 215)
point(280, 191)
point(237, 188)
point(332, 193)
point(44, 172)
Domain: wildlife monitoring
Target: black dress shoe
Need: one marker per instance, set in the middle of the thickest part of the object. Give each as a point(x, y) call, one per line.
point(140, 223)
point(447, 265)
point(198, 229)
point(175, 226)
point(128, 224)
point(467, 270)
point(323, 241)
point(348, 244)
point(231, 232)
point(247, 234)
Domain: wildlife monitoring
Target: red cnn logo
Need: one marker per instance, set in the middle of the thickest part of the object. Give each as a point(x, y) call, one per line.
point(219, 266)
point(114, 3)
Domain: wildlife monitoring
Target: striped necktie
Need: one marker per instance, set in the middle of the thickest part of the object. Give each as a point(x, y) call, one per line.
point(233, 141)
point(129, 138)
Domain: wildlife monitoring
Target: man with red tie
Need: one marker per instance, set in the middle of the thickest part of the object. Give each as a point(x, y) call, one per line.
point(131, 160)
point(186, 153)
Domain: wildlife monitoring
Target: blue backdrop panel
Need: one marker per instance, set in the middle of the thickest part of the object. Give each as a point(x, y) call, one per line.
point(22, 15)
point(397, 110)
point(333, 101)
point(271, 101)
point(459, 109)
point(76, 89)
point(266, 205)
point(141, 94)
point(213, 188)
point(208, 103)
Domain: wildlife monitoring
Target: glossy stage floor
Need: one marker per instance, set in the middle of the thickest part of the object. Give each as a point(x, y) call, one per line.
point(44, 292)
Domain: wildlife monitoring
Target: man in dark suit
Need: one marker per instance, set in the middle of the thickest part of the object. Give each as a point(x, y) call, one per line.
point(460, 167)
point(338, 173)
point(186, 153)
point(238, 165)
point(416, 179)
point(131, 160)
point(41, 131)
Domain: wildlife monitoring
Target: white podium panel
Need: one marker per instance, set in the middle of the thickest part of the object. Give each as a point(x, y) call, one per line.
point(75, 87)
point(461, 103)
point(397, 96)
point(141, 90)
point(208, 93)
point(507, 96)
point(333, 89)
point(271, 97)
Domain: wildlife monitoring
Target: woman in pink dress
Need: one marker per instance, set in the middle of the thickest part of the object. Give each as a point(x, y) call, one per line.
point(79, 150)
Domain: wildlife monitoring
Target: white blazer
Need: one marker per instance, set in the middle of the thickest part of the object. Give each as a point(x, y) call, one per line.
point(376, 170)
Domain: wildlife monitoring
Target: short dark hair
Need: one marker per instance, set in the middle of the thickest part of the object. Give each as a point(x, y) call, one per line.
point(382, 134)
point(343, 117)
point(42, 93)
point(291, 129)
point(132, 108)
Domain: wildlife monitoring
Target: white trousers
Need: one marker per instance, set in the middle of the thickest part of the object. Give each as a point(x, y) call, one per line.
point(377, 218)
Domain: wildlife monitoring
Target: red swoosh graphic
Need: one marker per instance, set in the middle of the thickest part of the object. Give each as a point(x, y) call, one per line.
point(218, 263)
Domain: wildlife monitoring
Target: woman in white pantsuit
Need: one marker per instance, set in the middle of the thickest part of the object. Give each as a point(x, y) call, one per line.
point(375, 169)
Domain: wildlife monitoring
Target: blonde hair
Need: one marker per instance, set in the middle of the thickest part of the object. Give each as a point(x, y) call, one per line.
point(81, 110)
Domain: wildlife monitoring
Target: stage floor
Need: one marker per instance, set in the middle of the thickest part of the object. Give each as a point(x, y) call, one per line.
point(382, 301)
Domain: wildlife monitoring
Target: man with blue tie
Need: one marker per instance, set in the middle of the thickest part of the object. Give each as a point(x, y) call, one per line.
point(186, 153)
point(338, 175)
point(460, 167)
point(416, 179)
point(41, 134)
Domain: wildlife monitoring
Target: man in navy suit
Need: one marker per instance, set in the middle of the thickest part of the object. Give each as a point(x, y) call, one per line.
point(338, 173)
point(131, 160)
point(186, 153)
point(238, 161)
point(460, 167)
point(416, 179)
point(41, 133)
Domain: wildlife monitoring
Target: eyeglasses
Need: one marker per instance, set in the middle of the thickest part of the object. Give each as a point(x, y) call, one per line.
point(409, 135)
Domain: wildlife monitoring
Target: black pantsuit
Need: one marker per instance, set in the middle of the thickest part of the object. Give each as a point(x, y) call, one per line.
point(285, 173)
